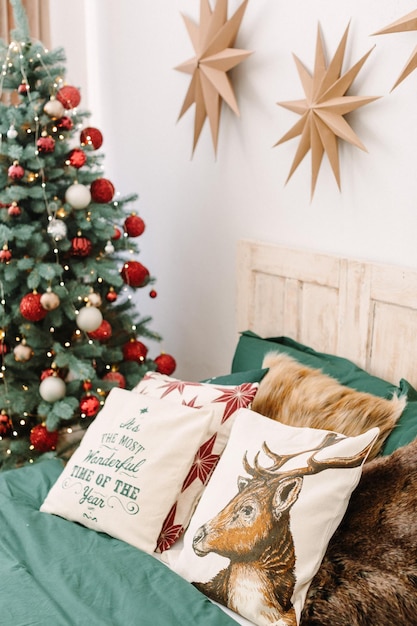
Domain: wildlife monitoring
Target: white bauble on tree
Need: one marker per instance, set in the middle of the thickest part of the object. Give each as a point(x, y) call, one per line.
point(78, 196)
point(57, 229)
point(89, 318)
point(52, 389)
point(50, 300)
point(54, 108)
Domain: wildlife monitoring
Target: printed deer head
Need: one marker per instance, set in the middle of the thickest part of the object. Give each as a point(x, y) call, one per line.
point(243, 529)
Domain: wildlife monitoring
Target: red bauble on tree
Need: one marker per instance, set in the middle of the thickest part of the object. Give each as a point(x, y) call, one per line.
point(14, 210)
point(117, 378)
point(89, 405)
point(103, 332)
point(42, 439)
point(5, 254)
point(135, 350)
point(16, 171)
point(45, 145)
point(117, 234)
point(69, 97)
point(31, 307)
point(76, 158)
point(135, 274)
point(65, 123)
point(91, 137)
point(81, 246)
point(102, 190)
point(111, 295)
point(165, 364)
point(134, 225)
point(6, 425)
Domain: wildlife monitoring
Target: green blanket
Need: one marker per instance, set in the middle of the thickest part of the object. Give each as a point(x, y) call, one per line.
point(58, 573)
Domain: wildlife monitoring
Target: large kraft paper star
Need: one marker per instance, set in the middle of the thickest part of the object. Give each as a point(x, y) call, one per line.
point(408, 22)
point(323, 109)
point(213, 40)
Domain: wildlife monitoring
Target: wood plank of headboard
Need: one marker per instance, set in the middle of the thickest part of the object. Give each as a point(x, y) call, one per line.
point(363, 311)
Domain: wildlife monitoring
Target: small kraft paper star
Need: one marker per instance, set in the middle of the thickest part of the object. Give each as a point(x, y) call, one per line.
point(213, 40)
point(406, 23)
point(323, 109)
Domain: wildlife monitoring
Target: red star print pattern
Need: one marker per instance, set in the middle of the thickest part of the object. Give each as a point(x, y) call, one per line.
point(204, 463)
point(236, 398)
point(170, 532)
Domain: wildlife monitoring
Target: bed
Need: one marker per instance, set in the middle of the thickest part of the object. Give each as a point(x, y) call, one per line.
point(107, 539)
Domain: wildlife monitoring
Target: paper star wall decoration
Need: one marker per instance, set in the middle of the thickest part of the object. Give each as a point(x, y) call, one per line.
point(323, 109)
point(408, 22)
point(213, 40)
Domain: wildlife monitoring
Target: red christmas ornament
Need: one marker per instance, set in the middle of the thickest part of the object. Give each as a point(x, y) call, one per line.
point(89, 405)
point(134, 225)
point(76, 158)
point(117, 234)
point(16, 171)
point(91, 137)
point(135, 274)
point(45, 145)
point(6, 425)
point(111, 296)
point(135, 350)
point(87, 385)
point(42, 439)
point(31, 307)
point(116, 377)
point(81, 246)
point(14, 210)
point(102, 190)
point(5, 255)
point(69, 97)
point(23, 89)
point(64, 123)
point(165, 364)
point(153, 293)
point(103, 332)
point(47, 373)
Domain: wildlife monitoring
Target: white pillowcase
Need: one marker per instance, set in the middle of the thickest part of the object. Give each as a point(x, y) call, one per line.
point(250, 522)
point(130, 467)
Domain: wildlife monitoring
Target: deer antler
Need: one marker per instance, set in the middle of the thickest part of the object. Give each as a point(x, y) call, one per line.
point(313, 466)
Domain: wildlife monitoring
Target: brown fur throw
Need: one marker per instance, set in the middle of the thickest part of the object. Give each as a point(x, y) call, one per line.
point(298, 395)
point(368, 576)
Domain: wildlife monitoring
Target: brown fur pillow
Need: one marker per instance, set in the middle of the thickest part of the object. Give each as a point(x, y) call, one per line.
point(368, 576)
point(298, 395)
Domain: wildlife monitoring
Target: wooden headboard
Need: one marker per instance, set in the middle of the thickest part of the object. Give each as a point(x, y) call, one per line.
point(363, 311)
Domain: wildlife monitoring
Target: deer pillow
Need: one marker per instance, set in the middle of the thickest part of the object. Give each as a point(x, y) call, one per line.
point(262, 526)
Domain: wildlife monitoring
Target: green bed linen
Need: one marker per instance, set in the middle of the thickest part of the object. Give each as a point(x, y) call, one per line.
point(58, 573)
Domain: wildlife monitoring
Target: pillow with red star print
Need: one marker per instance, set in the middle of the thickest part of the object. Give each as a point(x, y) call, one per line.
point(129, 467)
point(224, 401)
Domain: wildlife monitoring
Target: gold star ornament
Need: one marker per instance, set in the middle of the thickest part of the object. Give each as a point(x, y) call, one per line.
point(406, 23)
point(213, 40)
point(322, 122)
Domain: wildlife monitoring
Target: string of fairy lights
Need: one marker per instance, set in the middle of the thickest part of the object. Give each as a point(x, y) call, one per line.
point(87, 314)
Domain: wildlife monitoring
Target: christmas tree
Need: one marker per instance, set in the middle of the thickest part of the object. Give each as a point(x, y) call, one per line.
point(69, 329)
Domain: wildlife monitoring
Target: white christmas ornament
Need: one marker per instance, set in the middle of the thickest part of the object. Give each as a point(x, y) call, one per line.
point(50, 300)
point(94, 299)
point(54, 108)
point(109, 248)
point(78, 196)
point(52, 389)
point(12, 132)
point(22, 352)
point(89, 318)
point(57, 229)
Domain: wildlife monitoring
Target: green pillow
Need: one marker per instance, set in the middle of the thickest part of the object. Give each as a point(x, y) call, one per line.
point(238, 378)
point(252, 348)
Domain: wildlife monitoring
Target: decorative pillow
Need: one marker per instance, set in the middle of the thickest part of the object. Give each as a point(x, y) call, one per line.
point(224, 401)
point(263, 523)
point(298, 395)
point(252, 348)
point(369, 572)
point(129, 468)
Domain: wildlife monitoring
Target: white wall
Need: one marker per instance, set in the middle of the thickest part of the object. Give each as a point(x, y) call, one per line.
point(197, 208)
